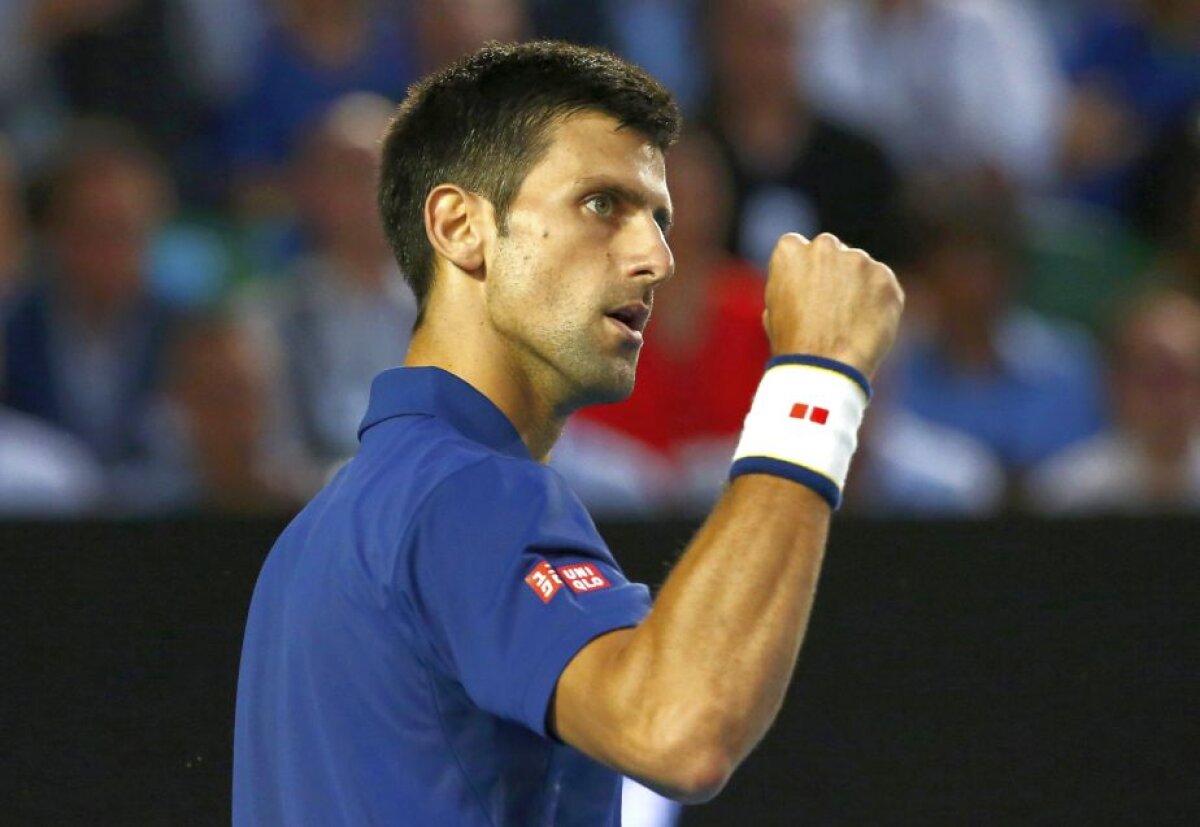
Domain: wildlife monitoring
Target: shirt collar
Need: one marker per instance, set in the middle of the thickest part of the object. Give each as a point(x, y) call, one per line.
point(436, 392)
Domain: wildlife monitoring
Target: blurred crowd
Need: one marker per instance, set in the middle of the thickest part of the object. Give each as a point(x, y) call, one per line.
point(195, 291)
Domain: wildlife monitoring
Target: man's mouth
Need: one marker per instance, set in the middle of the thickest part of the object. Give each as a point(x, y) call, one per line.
point(632, 316)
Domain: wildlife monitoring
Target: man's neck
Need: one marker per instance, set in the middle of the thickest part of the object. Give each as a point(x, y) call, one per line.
point(538, 421)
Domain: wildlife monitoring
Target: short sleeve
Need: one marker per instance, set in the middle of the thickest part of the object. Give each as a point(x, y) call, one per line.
point(510, 579)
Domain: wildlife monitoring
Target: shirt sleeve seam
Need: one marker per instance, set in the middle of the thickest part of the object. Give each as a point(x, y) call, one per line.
point(556, 657)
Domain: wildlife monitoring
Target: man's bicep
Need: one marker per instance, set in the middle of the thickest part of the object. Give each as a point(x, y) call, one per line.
point(598, 709)
point(586, 710)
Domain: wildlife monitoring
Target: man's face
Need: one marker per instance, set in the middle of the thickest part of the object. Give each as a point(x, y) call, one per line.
point(572, 280)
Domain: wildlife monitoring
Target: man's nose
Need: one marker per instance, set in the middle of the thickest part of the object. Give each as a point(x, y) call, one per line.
point(651, 254)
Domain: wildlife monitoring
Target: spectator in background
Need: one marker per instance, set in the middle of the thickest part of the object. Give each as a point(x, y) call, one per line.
point(793, 170)
point(13, 227)
point(1136, 75)
point(32, 107)
point(947, 86)
point(43, 471)
point(216, 449)
point(450, 29)
point(907, 466)
point(345, 313)
point(161, 65)
point(585, 23)
point(1165, 204)
point(1062, 19)
point(665, 38)
point(668, 445)
point(84, 339)
point(1149, 462)
point(316, 52)
point(1023, 385)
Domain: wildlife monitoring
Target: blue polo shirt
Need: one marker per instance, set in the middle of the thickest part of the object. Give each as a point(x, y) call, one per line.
point(409, 627)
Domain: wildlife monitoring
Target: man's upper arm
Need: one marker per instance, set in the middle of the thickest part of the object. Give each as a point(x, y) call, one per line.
point(580, 714)
point(599, 710)
point(510, 581)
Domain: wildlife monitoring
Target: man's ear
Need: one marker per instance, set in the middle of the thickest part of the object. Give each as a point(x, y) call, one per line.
point(454, 223)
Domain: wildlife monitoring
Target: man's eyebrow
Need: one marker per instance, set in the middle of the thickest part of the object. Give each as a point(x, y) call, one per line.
point(662, 215)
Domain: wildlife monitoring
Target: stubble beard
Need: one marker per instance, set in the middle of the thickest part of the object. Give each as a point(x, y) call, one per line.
point(568, 356)
point(574, 366)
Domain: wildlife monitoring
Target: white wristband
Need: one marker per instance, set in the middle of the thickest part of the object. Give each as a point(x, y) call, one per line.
point(803, 424)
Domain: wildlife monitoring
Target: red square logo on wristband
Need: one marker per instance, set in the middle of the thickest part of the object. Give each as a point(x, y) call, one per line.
point(810, 412)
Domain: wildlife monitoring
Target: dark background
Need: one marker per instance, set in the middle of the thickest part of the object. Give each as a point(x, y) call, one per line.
point(1015, 672)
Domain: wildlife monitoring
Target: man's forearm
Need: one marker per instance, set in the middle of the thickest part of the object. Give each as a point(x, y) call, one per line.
point(727, 626)
point(681, 700)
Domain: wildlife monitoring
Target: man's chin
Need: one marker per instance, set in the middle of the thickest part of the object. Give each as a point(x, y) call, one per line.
point(615, 387)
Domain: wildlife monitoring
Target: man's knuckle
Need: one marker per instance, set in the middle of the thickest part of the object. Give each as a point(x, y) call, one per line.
point(881, 276)
point(864, 262)
point(787, 246)
point(892, 284)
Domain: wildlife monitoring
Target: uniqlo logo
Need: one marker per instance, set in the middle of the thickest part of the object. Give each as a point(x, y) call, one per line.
point(583, 577)
point(544, 581)
point(810, 412)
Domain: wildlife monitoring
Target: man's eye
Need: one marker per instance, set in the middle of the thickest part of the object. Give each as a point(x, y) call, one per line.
point(601, 204)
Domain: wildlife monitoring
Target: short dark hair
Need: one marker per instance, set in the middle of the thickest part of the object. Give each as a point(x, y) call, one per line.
point(482, 124)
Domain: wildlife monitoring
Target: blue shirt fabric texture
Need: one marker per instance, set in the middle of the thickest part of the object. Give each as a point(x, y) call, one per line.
point(409, 627)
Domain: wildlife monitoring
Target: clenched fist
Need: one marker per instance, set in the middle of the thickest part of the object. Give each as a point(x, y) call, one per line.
point(826, 299)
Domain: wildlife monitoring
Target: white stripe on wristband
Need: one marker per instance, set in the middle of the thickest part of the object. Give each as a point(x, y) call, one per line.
point(803, 424)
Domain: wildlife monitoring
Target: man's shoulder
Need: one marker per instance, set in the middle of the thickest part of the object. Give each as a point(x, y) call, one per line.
point(417, 485)
point(427, 456)
point(444, 499)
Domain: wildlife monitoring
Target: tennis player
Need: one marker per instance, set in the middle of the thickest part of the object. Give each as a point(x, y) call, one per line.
point(441, 637)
